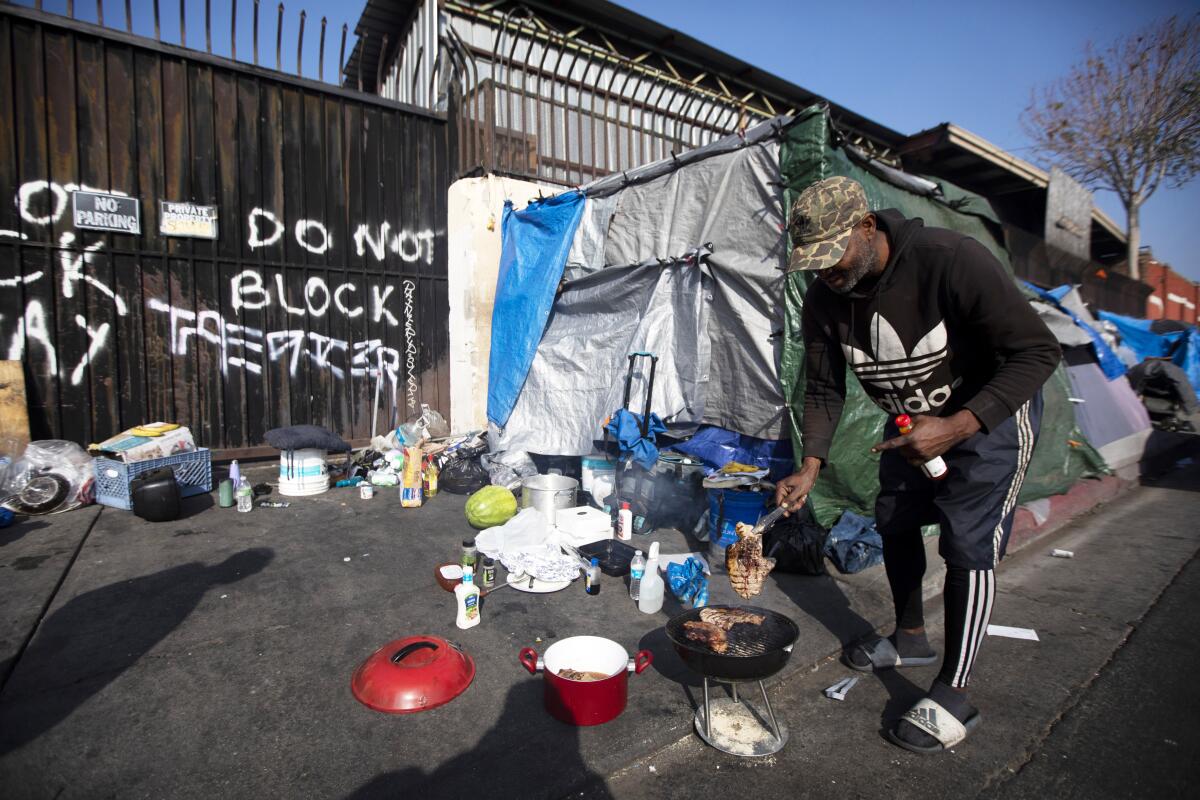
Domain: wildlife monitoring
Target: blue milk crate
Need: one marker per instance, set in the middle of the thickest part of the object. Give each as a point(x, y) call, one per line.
point(193, 473)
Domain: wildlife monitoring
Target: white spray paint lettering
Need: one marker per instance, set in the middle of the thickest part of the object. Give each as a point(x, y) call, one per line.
point(410, 346)
point(43, 203)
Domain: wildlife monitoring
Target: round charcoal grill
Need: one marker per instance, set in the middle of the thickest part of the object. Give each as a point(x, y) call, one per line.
point(753, 653)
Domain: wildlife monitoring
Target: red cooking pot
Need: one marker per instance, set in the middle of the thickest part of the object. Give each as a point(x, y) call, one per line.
point(586, 702)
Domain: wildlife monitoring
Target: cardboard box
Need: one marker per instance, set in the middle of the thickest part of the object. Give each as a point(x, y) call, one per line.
point(130, 447)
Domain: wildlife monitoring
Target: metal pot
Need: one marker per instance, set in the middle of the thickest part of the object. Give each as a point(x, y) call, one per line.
point(754, 652)
point(585, 702)
point(549, 493)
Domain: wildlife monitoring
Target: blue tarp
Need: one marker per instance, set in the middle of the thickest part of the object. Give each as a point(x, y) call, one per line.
point(534, 246)
point(1183, 347)
point(1110, 363)
point(626, 428)
point(717, 446)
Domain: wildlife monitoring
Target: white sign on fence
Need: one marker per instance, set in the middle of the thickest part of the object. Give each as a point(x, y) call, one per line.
point(100, 211)
point(187, 219)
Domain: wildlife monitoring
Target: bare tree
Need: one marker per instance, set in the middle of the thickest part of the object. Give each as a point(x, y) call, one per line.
point(1126, 119)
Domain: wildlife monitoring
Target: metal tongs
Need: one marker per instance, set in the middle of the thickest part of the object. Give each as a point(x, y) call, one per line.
point(770, 519)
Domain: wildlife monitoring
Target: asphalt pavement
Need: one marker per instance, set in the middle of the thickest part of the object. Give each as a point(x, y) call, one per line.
point(212, 657)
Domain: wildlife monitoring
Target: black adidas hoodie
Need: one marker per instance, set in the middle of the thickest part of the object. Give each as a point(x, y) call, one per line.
point(942, 329)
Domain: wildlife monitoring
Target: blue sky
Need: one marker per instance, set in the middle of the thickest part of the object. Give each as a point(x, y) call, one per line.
point(908, 65)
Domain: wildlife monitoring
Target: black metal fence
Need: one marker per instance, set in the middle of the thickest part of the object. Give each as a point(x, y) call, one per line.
point(1038, 262)
point(321, 297)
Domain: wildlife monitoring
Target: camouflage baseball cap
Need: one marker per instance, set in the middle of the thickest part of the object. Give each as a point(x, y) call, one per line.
point(821, 221)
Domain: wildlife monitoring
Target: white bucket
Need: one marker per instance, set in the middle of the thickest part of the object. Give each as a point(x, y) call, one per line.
point(303, 472)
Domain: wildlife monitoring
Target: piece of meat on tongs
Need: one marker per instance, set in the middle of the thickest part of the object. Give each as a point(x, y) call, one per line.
point(710, 635)
point(748, 567)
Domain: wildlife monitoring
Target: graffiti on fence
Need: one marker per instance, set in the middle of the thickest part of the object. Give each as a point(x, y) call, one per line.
point(237, 346)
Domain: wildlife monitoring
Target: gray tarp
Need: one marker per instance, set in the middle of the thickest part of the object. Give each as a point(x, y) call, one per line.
point(1062, 326)
point(716, 328)
point(577, 376)
point(734, 200)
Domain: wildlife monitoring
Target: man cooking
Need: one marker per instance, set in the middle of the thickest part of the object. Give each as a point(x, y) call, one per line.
point(933, 327)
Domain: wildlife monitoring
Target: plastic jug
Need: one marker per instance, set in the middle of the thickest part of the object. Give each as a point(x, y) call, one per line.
point(650, 593)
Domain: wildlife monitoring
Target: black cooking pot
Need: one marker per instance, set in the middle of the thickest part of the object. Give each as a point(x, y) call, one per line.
point(755, 652)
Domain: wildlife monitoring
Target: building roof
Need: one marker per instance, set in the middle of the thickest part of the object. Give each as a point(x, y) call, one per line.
point(1016, 187)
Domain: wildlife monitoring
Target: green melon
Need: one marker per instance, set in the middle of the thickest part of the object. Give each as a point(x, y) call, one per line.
point(491, 506)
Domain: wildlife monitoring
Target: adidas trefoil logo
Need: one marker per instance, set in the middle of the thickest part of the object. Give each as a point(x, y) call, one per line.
point(893, 368)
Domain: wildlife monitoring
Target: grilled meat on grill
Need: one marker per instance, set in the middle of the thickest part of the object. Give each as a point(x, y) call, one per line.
point(726, 618)
point(748, 567)
point(707, 634)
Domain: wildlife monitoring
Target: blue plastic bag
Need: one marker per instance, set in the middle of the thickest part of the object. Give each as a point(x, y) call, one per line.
point(688, 582)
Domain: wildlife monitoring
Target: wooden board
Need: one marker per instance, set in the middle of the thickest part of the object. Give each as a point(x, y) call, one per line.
point(14, 415)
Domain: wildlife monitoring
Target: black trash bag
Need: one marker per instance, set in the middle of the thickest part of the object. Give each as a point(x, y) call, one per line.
point(463, 476)
point(796, 543)
point(299, 437)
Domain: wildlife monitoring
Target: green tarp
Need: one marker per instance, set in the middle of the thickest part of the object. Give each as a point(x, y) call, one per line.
point(851, 478)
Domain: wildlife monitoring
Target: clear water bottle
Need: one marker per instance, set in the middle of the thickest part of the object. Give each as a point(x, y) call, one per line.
point(637, 568)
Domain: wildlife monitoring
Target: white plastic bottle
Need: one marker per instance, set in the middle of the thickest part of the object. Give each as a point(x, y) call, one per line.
point(637, 568)
point(624, 523)
point(466, 601)
point(650, 592)
point(935, 468)
point(235, 472)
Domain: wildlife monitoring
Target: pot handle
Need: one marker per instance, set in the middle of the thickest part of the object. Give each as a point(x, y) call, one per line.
point(638, 664)
point(529, 659)
point(403, 652)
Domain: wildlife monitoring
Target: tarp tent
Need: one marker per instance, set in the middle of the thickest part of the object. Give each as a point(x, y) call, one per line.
point(725, 322)
point(1181, 346)
point(1107, 409)
point(633, 281)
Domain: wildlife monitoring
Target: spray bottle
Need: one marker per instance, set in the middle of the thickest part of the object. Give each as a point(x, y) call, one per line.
point(650, 593)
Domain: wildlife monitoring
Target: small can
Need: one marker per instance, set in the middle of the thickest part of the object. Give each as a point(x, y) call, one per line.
point(469, 556)
point(366, 491)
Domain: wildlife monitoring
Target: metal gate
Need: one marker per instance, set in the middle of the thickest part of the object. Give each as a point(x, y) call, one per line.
point(322, 297)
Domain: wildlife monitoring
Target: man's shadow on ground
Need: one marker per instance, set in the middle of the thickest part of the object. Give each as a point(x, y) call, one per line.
point(527, 754)
point(93, 638)
point(821, 597)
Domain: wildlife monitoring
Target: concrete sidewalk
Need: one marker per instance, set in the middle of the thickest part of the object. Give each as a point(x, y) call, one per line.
point(1084, 609)
point(213, 656)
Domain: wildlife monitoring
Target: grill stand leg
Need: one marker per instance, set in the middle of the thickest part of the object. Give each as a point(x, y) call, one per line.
point(734, 687)
point(770, 712)
point(707, 711)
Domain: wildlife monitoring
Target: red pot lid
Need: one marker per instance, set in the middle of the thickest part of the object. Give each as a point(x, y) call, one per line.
point(413, 674)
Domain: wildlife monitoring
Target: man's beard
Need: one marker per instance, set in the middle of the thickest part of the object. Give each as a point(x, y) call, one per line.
point(862, 264)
